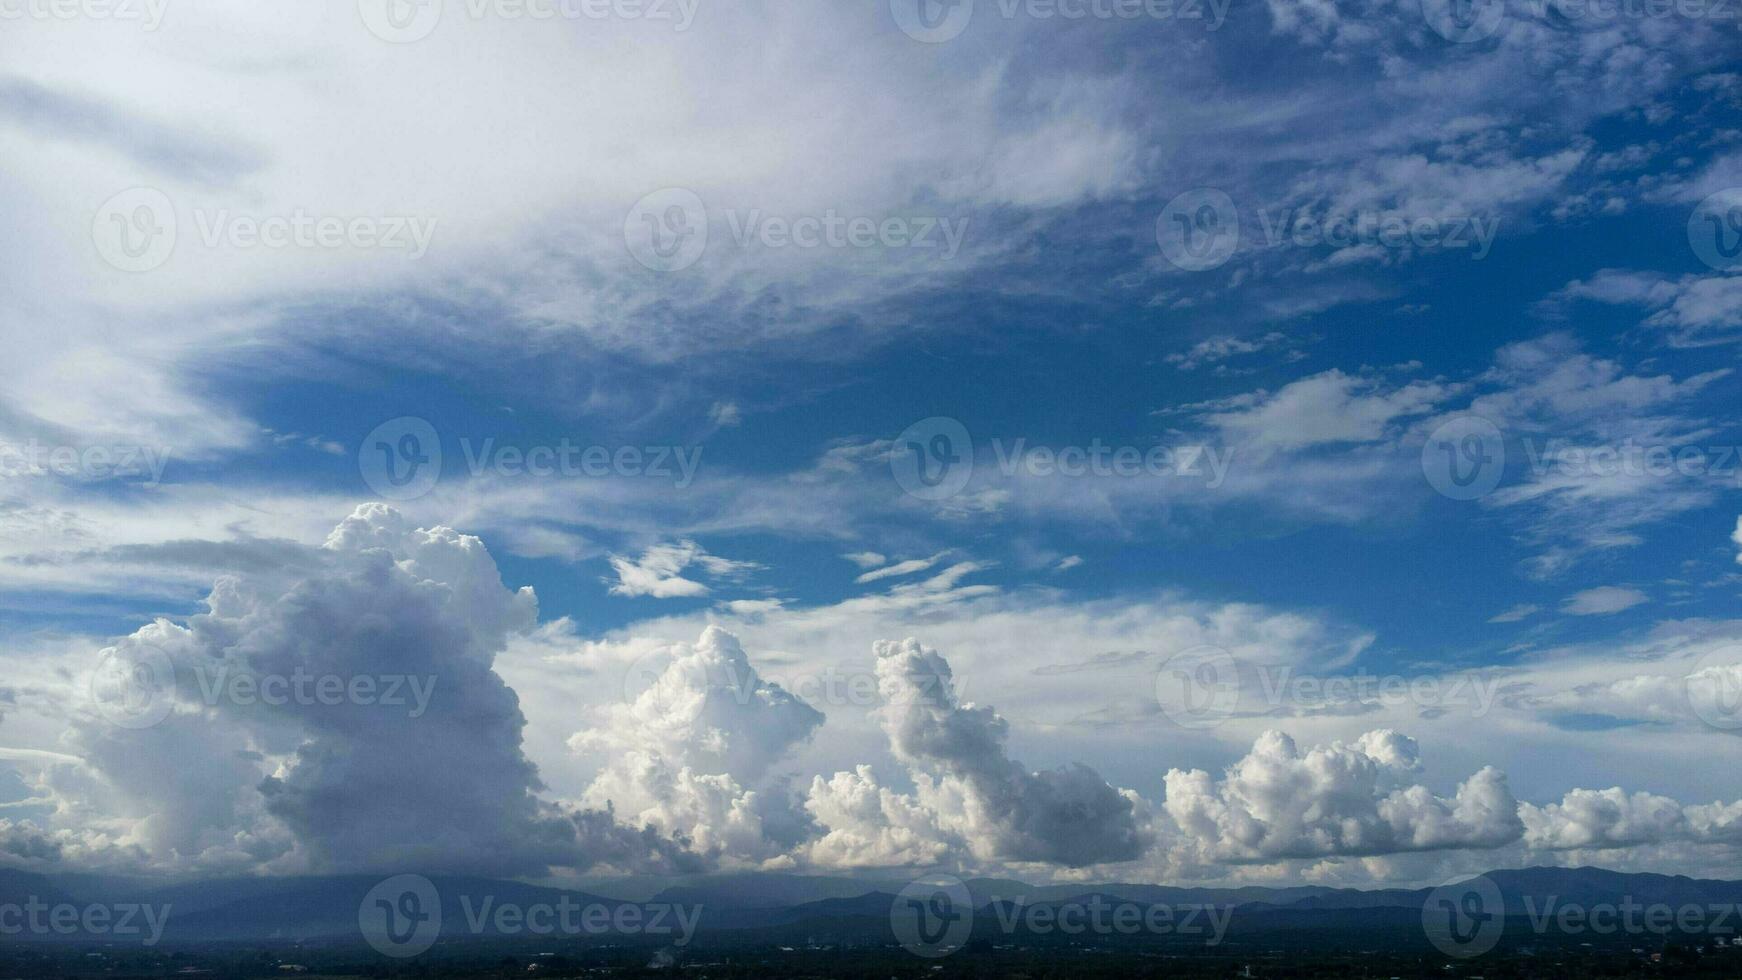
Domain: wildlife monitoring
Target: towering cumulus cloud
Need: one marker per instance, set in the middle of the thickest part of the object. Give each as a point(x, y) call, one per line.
point(345, 719)
point(688, 753)
point(1069, 816)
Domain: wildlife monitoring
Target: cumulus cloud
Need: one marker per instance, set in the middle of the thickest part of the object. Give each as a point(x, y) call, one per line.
point(870, 826)
point(1736, 536)
point(689, 752)
point(1068, 816)
point(1614, 818)
point(1279, 803)
point(318, 777)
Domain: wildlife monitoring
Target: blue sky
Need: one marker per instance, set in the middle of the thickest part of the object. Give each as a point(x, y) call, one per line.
point(492, 235)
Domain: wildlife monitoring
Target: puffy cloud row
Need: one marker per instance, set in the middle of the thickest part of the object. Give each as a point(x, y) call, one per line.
point(692, 763)
point(1279, 802)
point(1613, 818)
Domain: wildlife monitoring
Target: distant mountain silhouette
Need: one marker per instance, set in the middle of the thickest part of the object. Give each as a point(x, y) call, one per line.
point(761, 905)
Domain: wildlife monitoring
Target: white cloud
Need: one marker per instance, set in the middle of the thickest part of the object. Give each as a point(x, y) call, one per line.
point(865, 559)
point(658, 571)
point(870, 826)
point(901, 568)
point(1614, 818)
point(689, 752)
point(1693, 310)
point(228, 782)
point(1603, 600)
point(1523, 610)
point(1279, 803)
point(1324, 409)
point(1068, 815)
